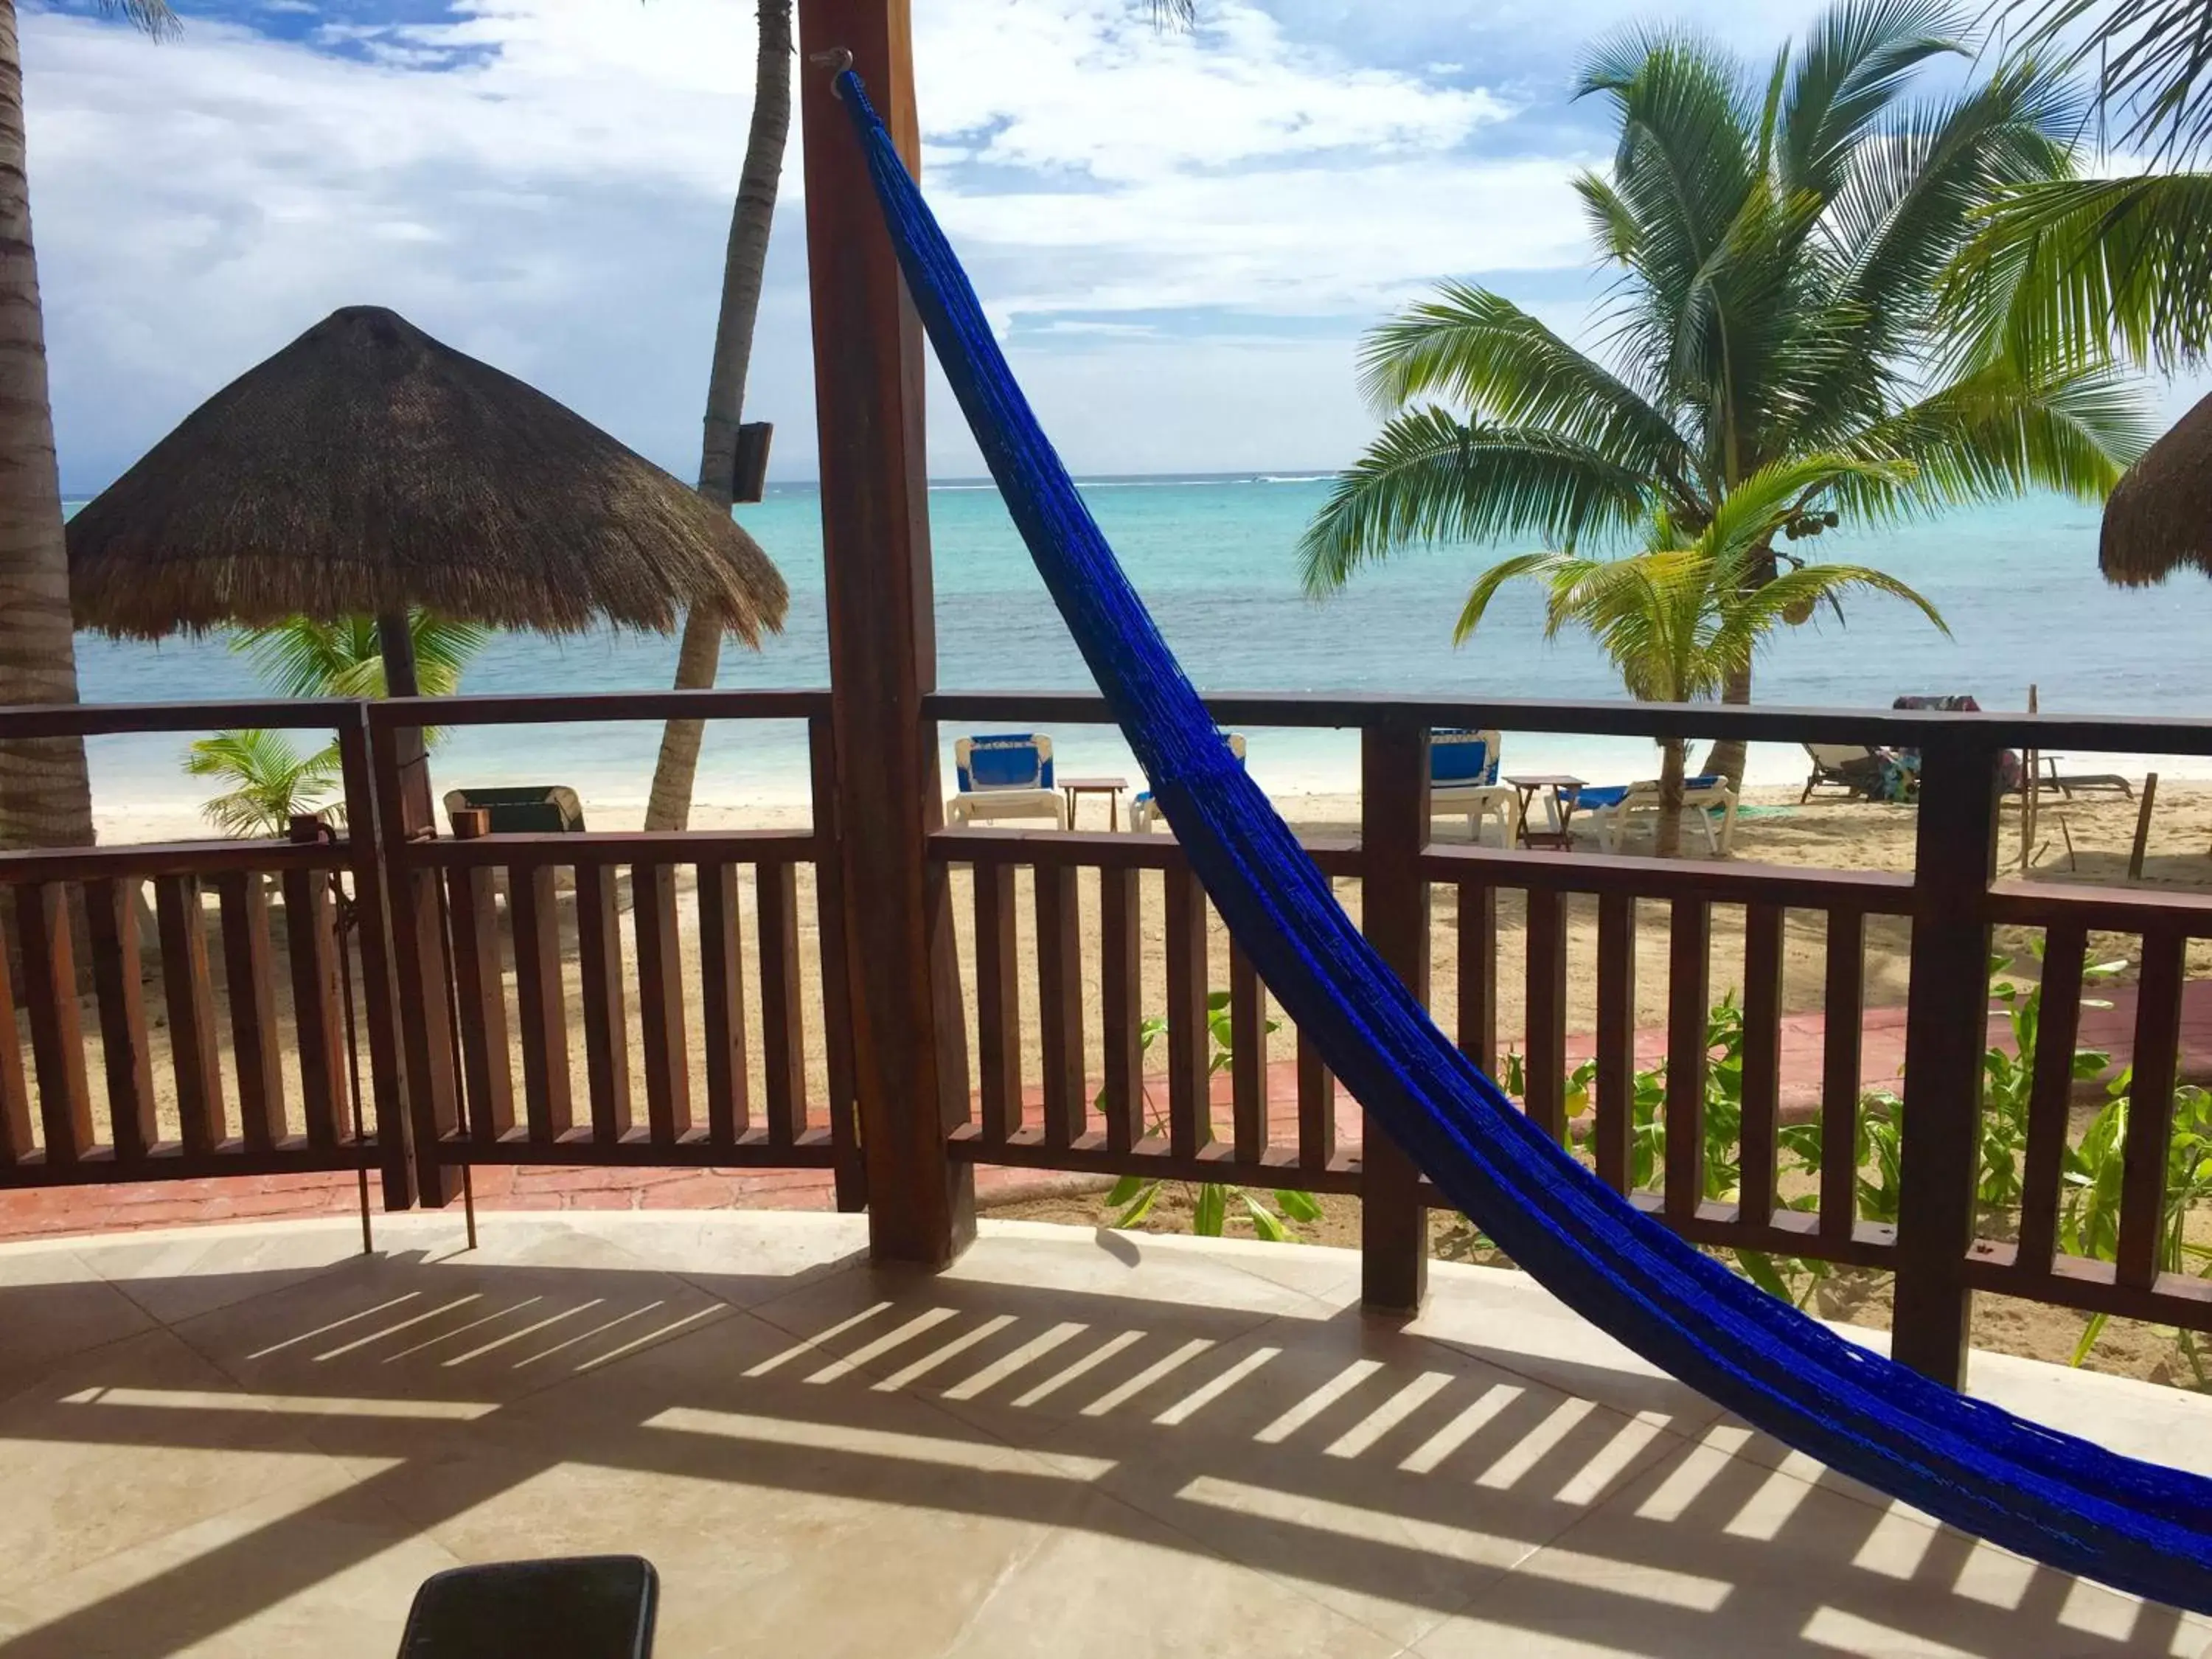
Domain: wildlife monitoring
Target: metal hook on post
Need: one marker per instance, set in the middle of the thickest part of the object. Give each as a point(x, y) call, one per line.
point(836, 60)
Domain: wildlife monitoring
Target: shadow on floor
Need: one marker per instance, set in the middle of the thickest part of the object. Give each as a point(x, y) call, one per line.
point(1435, 1488)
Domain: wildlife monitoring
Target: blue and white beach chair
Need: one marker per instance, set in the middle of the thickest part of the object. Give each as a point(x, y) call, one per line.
point(1463, 778)
point(1005, 775)
point(1611, 806)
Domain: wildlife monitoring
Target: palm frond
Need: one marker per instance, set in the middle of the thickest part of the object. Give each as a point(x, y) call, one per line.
point(2060, 273)
point(2153, 60)
point(1748, 624)
point(272, 782)
point(1909, 196)
point(1175, 14)
point(1611, 222)
point(301, 657)
point(1997, 433)
point(1484, 354)
point(1856, 60)
point(1687, 157)
point(1428, 477)
point(153, 16)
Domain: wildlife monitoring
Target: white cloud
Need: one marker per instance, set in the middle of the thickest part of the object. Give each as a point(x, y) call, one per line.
point(555, 195)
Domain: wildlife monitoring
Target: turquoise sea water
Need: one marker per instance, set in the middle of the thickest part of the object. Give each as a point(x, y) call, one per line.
point(1214, 558)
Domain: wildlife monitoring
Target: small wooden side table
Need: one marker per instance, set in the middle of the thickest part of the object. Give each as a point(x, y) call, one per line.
point(1076, 788)
point(1559, 808)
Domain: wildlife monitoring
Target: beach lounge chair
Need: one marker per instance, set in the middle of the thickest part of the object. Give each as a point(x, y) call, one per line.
point(1463, 778)
point(1145, 812)
point(2069, 784)
point(1005, 775)
point(1610, 808)
point(537, 809)
point(1854, 767)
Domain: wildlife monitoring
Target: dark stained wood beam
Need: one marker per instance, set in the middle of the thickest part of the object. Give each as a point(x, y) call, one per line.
point(907, 1033)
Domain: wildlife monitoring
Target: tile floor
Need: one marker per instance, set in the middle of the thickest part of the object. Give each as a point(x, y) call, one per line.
point(253, 1440)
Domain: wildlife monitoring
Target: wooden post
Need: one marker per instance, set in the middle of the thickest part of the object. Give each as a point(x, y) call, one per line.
point(366, 833)
point(1394, 828)
point(423, 1006)
point(909, 1043)
point(2031, 793)
point(395, 639)
point(2141, 844)
point(1946, 1030)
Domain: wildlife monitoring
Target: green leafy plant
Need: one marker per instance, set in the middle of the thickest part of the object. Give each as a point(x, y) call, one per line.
point(270, 782)
point(2089, 1218)
point(1133, 1196)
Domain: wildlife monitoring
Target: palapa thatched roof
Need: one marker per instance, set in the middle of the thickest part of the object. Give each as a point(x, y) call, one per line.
point(2159, 516)
point(366, 468)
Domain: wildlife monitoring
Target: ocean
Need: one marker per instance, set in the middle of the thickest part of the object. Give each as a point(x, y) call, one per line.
point(1215, 558)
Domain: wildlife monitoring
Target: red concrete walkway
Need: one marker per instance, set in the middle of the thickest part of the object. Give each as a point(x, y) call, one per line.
point(43, 1212)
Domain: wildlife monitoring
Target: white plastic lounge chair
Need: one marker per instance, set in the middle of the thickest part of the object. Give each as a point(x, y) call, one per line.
point(1005, 775)
point(1610, 809)
point(1463, 778)
point(1145, 812)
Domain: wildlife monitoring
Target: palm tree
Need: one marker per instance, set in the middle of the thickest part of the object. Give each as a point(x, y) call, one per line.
point(699, 658)
point(1682, 619)
point(2067, 270)
point(1777, 242)
point(301, 657)
point(272, 782)
point(45, 794)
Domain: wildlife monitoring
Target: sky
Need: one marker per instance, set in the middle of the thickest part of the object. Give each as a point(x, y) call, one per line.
point(1179, 236)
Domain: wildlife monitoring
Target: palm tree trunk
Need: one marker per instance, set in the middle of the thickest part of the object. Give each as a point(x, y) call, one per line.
point(1726, 757)
point(45, 796)
point(699, 657)
point(1668, 838)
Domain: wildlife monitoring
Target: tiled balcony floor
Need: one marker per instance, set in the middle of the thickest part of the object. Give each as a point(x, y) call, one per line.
point(256, 1441)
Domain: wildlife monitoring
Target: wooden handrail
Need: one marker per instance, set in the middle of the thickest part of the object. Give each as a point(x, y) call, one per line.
point(187, 858)
point(563, 708)
point(1899, 727)
point(604, 848)
point(91, 720)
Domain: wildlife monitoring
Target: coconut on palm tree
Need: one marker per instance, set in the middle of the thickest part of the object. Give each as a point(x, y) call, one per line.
point(1683, 619)
point(45, 794)
point(1777, 240)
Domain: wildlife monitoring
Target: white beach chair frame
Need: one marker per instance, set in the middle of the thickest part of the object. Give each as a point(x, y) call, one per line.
point(968, 805)
point(1480, 800)
point(1612, 822)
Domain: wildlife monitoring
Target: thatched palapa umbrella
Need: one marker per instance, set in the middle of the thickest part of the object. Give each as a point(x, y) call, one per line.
point(2159, 516)
point(367, 468)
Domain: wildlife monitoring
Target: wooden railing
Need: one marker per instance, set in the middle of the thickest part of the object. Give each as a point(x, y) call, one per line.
point(82, 921)
point(741, 1096)
point(1951, 902)
point(472, 967)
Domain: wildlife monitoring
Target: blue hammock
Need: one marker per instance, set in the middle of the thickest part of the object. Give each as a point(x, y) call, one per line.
point(2058, 1500)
